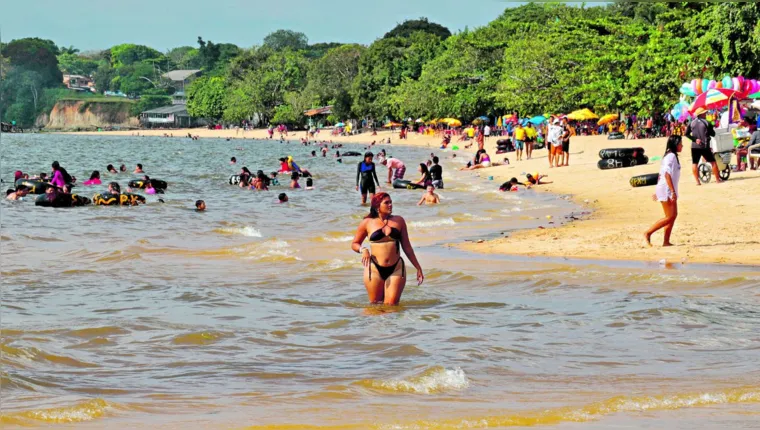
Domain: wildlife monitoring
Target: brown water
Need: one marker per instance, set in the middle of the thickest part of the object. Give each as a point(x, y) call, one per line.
point(253, 314)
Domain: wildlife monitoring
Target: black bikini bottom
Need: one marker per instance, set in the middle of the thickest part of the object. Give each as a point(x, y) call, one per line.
point(388, 271)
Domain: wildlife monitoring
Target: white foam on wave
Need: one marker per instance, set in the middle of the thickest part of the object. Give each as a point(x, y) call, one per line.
point(433, 223)
point(338, 239)
point(477, 218)
point(246, 231)
point(432, 381)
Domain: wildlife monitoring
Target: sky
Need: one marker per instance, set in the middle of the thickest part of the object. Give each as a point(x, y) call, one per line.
point(165, 24)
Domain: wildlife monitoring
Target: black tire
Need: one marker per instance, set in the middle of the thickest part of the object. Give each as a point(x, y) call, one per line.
point(62, 201)
point(644, 180)
point(157, 184)
point(725, 173)
point(406, 185)
point(619, 163)
point(621, 153)
point(616, 136)
point(124, 199)
point(235, 180)
point(35, 187)
point(351, 154)
point(705, 172)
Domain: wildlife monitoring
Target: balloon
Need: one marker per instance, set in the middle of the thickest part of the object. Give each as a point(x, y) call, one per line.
point(695, 86)
point(705, 85)
point(711, 84)
point(741, 80)
point(719, 85)
point(687, 90)
point(727, 84)
point(736, 86)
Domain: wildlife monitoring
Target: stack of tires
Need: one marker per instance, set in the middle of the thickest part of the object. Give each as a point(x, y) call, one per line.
point(616, 158)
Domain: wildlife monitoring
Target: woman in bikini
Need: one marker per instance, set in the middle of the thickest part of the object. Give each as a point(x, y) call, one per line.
point(385, 273)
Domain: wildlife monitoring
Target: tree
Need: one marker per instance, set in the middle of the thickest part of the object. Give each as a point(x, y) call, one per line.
point(318, 50)
point(183, 58)
point(330, 78)
point(409, 27)
point(263, 88)
point(206, 98)
point(127, 54)
point(74, 64)
point(286, 39)
point(35, 55)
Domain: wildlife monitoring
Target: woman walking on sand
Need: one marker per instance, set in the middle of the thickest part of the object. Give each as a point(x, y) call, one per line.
point(667, 190)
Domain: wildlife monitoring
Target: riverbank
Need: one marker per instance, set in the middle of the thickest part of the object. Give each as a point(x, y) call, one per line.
point(716, 222)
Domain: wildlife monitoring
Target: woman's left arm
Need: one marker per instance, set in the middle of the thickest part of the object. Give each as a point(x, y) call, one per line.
point(409, 251)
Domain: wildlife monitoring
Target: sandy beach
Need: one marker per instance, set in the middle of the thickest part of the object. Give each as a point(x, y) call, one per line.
point(716, 222)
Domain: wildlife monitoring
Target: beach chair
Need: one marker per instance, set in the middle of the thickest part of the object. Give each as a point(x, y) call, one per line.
point(753, 152)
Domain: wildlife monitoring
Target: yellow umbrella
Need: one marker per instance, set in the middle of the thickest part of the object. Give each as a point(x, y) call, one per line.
point(608, 119)
point(582, 115)
point(392, 124)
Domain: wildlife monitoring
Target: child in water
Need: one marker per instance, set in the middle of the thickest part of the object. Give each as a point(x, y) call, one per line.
point(149, 188)
point(200, 206)
point(430, 197)
point(283, 198)
point(273, 179)
point(510, 185)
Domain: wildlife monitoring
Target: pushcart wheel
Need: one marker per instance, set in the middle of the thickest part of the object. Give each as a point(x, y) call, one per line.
point(705, 172)
point(725, 173)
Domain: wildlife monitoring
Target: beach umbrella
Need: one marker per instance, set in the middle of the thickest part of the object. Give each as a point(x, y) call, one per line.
point(392, 124)
point(582, 115)
point(498, 122)
point(539, 119)
point(713, 99)
point(452, 122)
point(483, 118)
point(608, 119)
point(419, 120)
point(340, 124)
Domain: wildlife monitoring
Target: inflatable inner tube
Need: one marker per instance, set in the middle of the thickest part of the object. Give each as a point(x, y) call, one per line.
point(62, 200)
point(157, 184)
point(616, 136)
point(351, 154)
point(35, 186)
point(407, 185)
point(124, 199)
point(620, 153)
point(617, 163)
point(644, 180)
point(235, 180)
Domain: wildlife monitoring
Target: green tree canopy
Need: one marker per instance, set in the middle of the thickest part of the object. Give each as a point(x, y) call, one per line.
point(206, 98)
point(286, 39)
point(409, 27)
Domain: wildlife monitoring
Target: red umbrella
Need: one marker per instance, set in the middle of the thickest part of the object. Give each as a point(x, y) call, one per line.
point(714, 98)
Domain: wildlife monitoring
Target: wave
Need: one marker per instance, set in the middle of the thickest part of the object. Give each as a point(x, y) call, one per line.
point(246, 231)
point(433, 223)
point(333, 265)
point(81, 412)
point(590, 412)
point(434, 380)
point(336, 239)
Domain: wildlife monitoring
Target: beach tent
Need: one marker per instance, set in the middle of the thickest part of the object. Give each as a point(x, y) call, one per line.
point(582, 115)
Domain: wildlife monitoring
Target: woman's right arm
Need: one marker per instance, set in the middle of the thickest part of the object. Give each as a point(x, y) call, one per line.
point(356, 244)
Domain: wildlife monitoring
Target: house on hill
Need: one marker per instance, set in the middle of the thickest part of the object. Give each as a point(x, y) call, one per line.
point(79, 83)
point(174, 116)
point(179, 80)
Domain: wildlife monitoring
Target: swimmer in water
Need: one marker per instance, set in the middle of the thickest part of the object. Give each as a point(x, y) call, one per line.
point(19, 194)
point(430, 197)
point(114, 188)
point(283, 198)
point(309, 184)
point(123, 169)
point(200, 206)
point(94, 179)
point(138, 168)
point(149, 187)
point(366, 177)
point(111, 169)
point(233, 160)
point(385, 270)
point(294, 180)
point(273, 178)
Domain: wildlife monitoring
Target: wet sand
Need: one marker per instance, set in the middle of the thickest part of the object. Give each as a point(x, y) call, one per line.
point(717, 223)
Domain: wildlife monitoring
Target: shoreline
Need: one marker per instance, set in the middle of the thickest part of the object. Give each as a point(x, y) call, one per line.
point(716, 222)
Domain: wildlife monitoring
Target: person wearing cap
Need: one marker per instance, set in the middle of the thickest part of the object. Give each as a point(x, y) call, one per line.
point(366, 177)
point(699, 132)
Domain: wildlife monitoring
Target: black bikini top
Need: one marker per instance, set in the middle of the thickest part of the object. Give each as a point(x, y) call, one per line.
point(379, 234)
